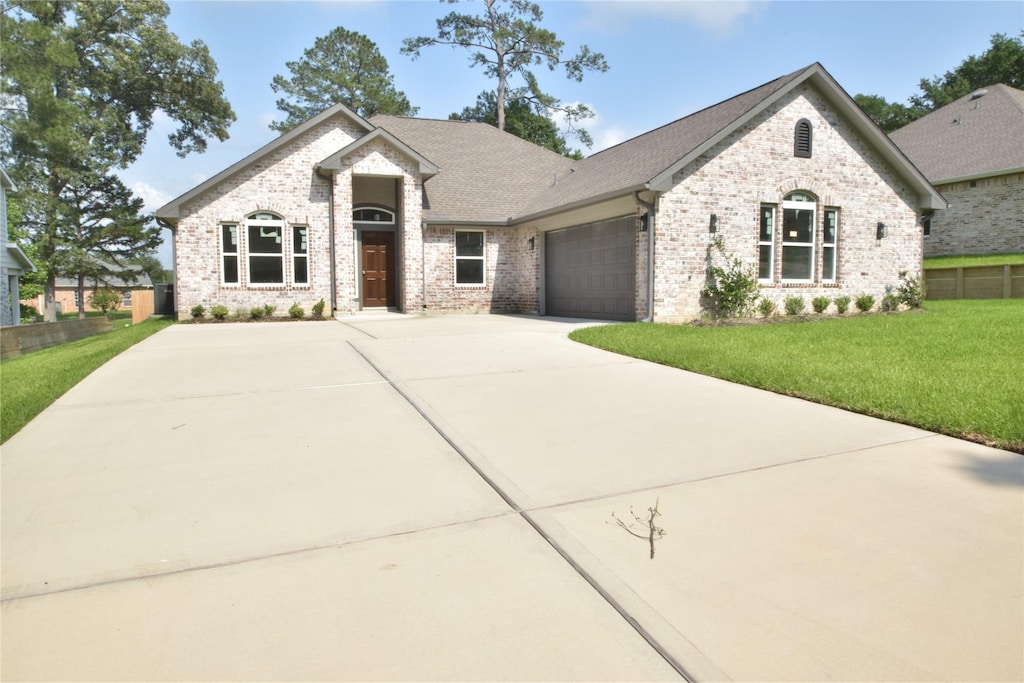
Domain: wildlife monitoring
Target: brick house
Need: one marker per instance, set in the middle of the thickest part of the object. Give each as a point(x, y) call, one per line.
point(972, 151)
point(433, 216)
point(65, 292)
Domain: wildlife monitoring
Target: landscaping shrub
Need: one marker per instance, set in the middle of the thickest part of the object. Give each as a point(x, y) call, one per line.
point(105, 300)
point(766, 307)
point(268, 310)
point(219, 312)
point(198, 311)
point(731, 290)
point(820, 304)
point(842, 303)
point(256, 313)
point(28, 314)
point(296, 311)
point(890, 302)
point(794, 305)
point(318, 310)
point(864, 302)
point(911, 290)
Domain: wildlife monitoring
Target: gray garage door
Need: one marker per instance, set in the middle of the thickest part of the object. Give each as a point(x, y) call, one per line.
point(590, 270)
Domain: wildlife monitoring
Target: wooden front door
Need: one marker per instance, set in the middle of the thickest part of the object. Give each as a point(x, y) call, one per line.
point(378, 269)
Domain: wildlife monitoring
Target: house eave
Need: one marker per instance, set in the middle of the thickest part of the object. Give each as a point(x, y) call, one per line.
point(15, 252)
point(582, 203)
point(978, 176)
point(442, 222)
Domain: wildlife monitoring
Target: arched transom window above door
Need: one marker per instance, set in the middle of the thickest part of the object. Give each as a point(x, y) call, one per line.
point(373, 214)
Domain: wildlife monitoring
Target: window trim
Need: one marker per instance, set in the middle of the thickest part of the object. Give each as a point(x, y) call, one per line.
point(482, 258)
point(257, 220)
point(798, 205)
point(225, 254)
point(833, 245)
point(297, 256)
point(770, 242)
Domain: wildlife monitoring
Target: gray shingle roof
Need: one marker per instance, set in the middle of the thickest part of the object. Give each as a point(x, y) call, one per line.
point(631, 164)
point(969, 137)
point(485, 176)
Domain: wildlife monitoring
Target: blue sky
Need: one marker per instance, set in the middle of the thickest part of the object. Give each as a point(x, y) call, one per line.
point(668, 58)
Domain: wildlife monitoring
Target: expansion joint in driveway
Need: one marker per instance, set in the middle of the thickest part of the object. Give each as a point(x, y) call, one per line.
point(525, 515)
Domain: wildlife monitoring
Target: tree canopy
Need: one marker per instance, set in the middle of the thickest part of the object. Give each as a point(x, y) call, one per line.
point(82, 83)
point(343, 66)
point(506, 39)
point(1003, 63)
point(520, 120)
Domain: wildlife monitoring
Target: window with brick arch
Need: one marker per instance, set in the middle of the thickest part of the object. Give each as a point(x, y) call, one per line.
point(264, 241)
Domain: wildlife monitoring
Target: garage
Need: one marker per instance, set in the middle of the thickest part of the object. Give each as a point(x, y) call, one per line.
point(590, 270)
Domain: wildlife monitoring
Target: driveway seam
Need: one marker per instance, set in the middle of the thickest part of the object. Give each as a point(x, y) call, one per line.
point(251, 559)
point(600, 590)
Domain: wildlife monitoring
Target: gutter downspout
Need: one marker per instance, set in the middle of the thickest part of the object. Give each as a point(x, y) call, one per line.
point(650, 254)
point(330, 233)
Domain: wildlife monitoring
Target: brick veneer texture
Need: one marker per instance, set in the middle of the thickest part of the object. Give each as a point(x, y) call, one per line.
point(754, 166)
point(987, 218)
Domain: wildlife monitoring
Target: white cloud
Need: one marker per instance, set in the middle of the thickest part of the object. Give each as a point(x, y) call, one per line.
point(718, 17)
point(604, 133)
point(152, 197)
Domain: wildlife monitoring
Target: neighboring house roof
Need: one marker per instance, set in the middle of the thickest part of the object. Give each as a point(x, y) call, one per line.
point(649, 161)
point(486, 175)
point(141, 280)
point(172, 208)
point(978, 135)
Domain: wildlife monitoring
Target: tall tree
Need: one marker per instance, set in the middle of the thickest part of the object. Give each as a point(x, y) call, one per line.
point(508, 42)
point(520, 120)
point(1002, 62)
point(82, 83)
point(343, 66)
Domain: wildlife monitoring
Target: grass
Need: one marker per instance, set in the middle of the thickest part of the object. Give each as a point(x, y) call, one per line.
point(954, 367)
point(965, 261)
point(32, 382)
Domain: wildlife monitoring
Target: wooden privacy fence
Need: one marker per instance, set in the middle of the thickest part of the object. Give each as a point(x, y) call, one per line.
point(975, 282)
point(142, 305)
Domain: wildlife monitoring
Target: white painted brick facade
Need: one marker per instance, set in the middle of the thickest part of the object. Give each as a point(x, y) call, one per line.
point(986, 218)
point(756, 165)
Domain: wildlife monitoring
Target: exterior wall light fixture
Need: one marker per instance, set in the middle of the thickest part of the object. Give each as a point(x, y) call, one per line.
point(880, 230)
point(530, 243)
point(714, 223)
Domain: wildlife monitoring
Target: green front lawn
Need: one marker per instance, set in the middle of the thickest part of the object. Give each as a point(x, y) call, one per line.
point(956, 367)
point(965, 261)
point(32, 382)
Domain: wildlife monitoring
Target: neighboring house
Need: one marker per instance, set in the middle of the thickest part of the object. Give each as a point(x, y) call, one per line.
point(13, 262)
point(431, 216)
point(66, 290)
point(972, 151)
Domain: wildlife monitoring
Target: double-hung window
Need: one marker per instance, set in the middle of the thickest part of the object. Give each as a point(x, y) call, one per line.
point(229, 254)
point(766, 245)
point(469, 257)
point(265, 248)
point(300, 255)
point(829, 240)
point(798, 222)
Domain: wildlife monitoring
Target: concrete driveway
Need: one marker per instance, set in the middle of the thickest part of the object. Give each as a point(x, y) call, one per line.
point(415, 498)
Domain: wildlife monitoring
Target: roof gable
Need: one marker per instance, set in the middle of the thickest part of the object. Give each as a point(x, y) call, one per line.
point(649, 161)
point(978, 135)
point(333, 162)
point(171, 209)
